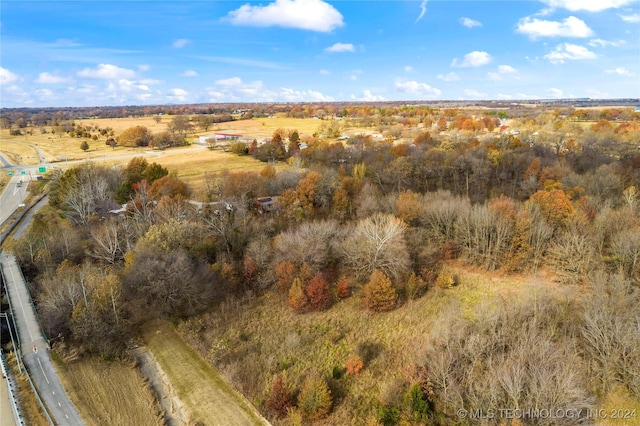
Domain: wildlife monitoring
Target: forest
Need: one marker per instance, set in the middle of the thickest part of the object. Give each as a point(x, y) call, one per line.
point(349, 286)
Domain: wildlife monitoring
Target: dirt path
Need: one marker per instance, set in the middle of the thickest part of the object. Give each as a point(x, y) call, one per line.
point(175, 413)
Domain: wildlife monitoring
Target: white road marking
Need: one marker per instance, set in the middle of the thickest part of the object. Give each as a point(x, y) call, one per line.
point(45, 374)
point(21, 304)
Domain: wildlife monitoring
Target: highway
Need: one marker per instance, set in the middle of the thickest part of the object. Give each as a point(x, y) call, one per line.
point(34, 347)
point(13, 196)
point(35, 350)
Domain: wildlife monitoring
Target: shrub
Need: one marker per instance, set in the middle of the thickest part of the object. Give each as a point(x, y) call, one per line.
point(315, 398)
point(388, 416)
point(318, 292)
point(298, 299)
point(285, 271)
point(343, 289)
point(445, 279)
point(354, 365)
point(417, 402)
point(279, 400)
point(379, 295)
point(415, 286)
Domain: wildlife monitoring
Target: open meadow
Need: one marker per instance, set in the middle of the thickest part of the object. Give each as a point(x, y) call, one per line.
point(109, 392)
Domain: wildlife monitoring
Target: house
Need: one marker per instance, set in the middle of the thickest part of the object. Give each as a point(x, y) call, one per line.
point(220, 137)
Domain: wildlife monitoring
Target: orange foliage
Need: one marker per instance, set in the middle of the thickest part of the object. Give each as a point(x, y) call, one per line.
point(343, 289)
point(354, 365)
point(285, 271)
point(555, 206)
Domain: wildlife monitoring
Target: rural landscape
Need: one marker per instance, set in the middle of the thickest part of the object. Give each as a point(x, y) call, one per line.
point(334, 264)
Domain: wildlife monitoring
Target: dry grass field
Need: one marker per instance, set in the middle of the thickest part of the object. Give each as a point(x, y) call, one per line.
point(192, 164)
point(324, 341)
point(209, 399)
point(109, 393)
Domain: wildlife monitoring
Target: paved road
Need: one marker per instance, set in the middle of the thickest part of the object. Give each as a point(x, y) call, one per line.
point(13, 195)
point(35, 351)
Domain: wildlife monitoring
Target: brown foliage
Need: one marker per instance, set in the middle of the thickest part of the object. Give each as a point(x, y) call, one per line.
point(343, 289)
point(378, 294)
point(280, 398)
point(285, 271)
point(298, 299)
point(318, 293)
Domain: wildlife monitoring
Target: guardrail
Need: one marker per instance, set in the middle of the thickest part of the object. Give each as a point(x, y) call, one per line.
point(17, 417)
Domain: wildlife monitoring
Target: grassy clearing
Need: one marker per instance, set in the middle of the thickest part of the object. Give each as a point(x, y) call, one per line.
point(619, 403)
point(192, 165)
point(109, 393)
point(252, 341)
point(209, 399)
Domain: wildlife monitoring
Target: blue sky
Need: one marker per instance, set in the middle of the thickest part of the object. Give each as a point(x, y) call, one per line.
point(93, 53)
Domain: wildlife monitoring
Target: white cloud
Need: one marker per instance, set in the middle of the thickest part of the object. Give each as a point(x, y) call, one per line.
point(324, 72)
point(106, 71)
point(150, 81)
point(233, 81)
point(408, 68)
point(506, 69)
point(598, 42)
point(452, 76)
point(472, 93)
point(469, 23)
point(340, 47)
point(632, 19)
point(291, 95)
point(555, 93)
point(178, 95)
point(44, 93)
point(180, 43)
point(620, 71)
point(144, 67)
point(423, 9)
point(125, 85)
point(473, 59)
point(419, 90)
point(367, 96)
point(568, 51)
point(569, 27)
point(588, 5)
point(189, 73)
point(313, 15)
point(47, 78)
point(504, 96)
point(502, 70)
point(7, 76)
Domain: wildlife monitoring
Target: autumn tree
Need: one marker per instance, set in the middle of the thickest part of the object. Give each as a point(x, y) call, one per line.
point(379, 295)
point(318, 293)
point(84, 146)
point(280, 398)
point(315, 400)
point(135, 136)
point(555, 206)
point(298, 299)
point(286, 273)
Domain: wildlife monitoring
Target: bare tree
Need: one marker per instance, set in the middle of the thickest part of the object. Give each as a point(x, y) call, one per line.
point(377, 242)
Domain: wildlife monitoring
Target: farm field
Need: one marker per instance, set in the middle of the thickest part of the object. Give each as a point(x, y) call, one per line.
point(209, 399)
point(109, 392)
